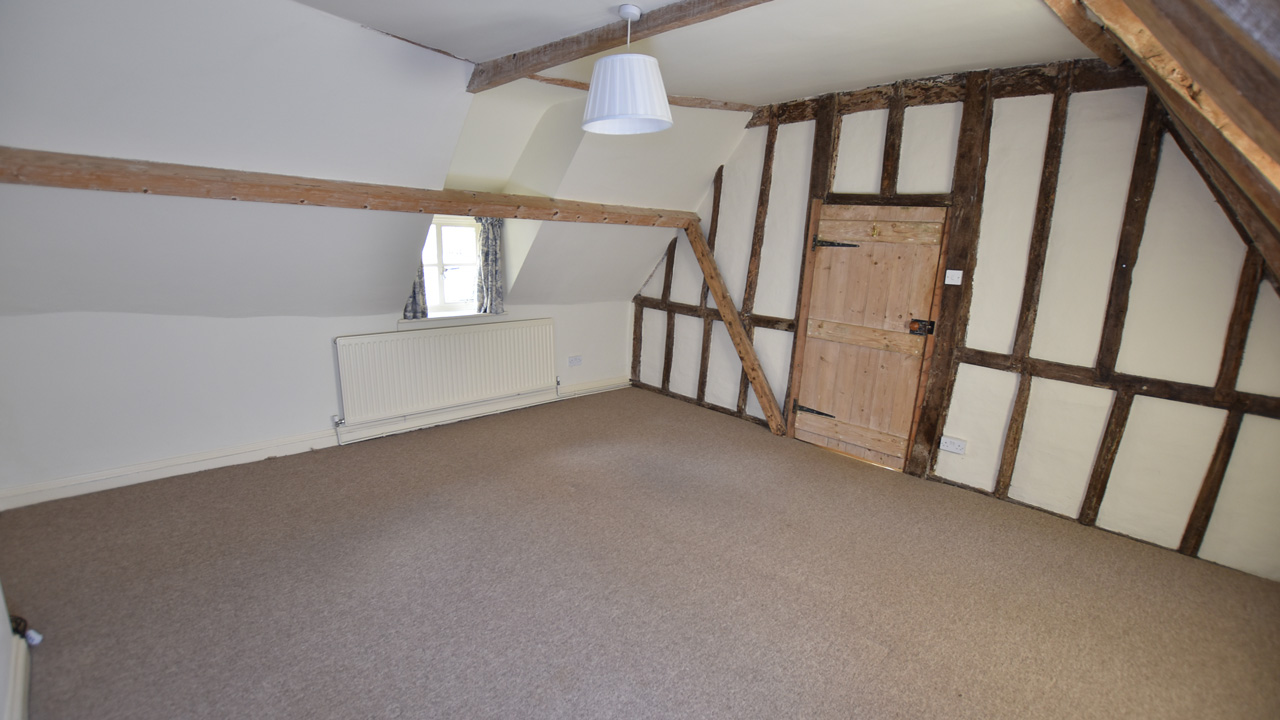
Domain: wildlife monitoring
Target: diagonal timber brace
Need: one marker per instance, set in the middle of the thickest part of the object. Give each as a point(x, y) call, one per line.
point(737, 331)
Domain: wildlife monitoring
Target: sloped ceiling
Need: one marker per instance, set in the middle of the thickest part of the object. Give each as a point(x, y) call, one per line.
point(497, 131)
point(776, 51)
point(86, 251)
point(479, 31)
point(580, 263)
point(263, 85)
point(562, 263)
point(277, 86)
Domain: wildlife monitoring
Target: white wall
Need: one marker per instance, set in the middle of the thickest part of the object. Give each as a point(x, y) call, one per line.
point(1019, 133)
point(1184, 286)
point(89, 392)
point(1188, 243)
point(104, 399)
point(1093, 182)
point(6, 661)
point(779, 275)
point(149, 335)
point(1243, 532)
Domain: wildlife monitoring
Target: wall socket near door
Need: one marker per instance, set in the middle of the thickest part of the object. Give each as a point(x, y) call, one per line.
point(952, 445)
point(575, 360)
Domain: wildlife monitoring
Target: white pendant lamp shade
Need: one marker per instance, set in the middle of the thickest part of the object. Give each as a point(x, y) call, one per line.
point(626, 97)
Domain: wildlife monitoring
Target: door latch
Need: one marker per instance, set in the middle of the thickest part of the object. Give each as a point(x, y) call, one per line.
point(920, 327)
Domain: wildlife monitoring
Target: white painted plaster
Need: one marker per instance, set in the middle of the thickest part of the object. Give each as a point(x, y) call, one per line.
point(724, 369)
point(547, 156)
point(686, 356)
point(1159, 468)
point(1260, 370)
point(1093, 182)
point(653, 346)
point(81, 250)
point(1060, 438)
point(583, 262)
point(738, 197)
point(979, 415)
point(783, 248)
point(686, 277)
point(263, 85)
point(802, 48)
point(1019, 133)
point(86, 393)
point(670, 169)
point(476, 31)
point(930, 134)
point(517, 239)
point(861, 152)
point(653, 283)
point(499, 125)
point(1243, 532)
point(774, 349)
point(1189, 243)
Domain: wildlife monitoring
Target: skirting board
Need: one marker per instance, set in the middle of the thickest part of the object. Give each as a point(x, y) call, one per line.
point(392, 426)
point(58, 488)
point(132, 474)
point(15, 707)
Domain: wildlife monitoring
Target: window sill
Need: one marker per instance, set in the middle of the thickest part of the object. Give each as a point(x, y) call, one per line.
point(458, 317)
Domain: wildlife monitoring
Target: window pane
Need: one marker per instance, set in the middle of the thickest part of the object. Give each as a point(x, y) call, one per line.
point(459, 244)
point(431, 277)
point(460, 284)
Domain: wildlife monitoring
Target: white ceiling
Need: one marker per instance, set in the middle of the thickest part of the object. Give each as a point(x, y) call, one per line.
point(777, 51)
point(484, 30)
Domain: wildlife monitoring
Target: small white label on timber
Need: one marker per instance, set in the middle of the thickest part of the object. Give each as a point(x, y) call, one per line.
point(954, 277)
point(575, 360)
point(952, 445)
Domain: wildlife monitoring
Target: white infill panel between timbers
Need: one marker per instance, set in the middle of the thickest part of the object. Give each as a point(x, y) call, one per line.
point(392, 382)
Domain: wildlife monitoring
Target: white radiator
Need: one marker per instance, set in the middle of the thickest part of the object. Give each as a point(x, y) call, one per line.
point(392, 382)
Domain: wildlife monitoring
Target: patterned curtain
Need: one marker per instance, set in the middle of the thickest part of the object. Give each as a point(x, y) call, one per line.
point(416, 307)
point(489, 276)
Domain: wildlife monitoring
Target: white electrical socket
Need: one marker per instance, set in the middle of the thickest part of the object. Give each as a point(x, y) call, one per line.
point(954, 277)
point(575, 360)
point(952, 445)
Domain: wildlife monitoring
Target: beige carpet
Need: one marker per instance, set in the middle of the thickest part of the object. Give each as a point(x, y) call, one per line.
point(622, 555)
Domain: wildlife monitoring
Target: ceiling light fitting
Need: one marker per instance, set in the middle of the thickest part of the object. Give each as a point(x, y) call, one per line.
point(626, 96)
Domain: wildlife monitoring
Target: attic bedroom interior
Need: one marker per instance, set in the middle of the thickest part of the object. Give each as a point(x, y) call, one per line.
point(926, 365)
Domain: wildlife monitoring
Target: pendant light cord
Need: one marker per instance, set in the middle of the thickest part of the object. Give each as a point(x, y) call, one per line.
point(628, 35)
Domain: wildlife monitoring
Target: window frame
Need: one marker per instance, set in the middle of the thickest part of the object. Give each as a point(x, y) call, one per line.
point(437, 269)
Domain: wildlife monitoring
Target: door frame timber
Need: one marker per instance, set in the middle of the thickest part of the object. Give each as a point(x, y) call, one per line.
point(803, 321)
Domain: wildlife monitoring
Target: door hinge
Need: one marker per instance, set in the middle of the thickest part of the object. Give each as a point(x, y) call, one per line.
point(920, 327)
point(818, 242)
point(797, 407)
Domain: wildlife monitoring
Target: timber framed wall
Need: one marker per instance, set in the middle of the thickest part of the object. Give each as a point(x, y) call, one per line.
point(1113, 354)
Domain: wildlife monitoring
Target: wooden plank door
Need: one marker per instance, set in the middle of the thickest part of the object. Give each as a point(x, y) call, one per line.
point(875, 270)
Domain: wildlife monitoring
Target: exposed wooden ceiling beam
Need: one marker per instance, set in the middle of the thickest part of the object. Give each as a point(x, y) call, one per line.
point(1073, 15)
point(1241, 74)
point(87, 172)
point(680, 100)
point(1195, 104)
point(503, 70)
